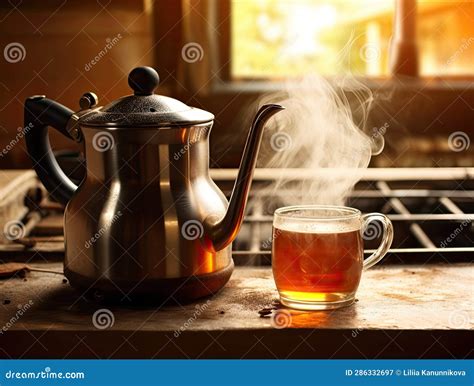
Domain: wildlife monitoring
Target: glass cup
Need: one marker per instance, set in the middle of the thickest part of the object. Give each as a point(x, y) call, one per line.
point(318, 253)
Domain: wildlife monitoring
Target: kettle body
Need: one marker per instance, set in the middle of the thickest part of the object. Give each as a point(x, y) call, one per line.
point(147, 219)
point(137, 220)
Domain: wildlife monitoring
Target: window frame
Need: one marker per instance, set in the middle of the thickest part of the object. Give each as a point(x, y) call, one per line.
point(224, 80)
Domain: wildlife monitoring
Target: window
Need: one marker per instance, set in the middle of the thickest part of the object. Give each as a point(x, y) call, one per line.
point(280, 38)
point(445, 36)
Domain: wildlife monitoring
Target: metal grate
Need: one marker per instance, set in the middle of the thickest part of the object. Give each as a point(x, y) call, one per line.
point(432, 211)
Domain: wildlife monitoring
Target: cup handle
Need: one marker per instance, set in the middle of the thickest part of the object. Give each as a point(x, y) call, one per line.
point(374, 225)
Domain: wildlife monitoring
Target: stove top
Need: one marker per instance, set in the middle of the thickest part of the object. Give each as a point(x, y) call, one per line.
point(432, 211)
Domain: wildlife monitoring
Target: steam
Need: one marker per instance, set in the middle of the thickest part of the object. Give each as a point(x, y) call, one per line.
point(320, 137)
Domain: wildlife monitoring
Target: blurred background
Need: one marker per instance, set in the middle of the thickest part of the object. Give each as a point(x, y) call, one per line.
point(222, 56)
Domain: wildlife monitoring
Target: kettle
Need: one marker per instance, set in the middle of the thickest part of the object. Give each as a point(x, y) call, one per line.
point(147, 219)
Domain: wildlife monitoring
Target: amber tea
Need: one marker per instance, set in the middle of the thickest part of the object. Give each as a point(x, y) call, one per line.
point(317, 254)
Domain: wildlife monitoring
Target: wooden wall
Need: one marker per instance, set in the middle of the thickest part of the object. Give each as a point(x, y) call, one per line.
point(59, 39)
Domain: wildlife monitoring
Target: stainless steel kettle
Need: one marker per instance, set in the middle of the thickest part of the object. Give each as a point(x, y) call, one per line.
point(147, 218)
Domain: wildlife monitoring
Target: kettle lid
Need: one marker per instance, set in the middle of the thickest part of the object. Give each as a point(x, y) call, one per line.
point(144, 108)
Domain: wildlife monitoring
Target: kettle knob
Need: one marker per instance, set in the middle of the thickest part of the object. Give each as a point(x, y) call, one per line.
point(143, 80)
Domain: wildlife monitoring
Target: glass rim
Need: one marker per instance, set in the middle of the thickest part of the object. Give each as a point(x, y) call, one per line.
point(287, 212)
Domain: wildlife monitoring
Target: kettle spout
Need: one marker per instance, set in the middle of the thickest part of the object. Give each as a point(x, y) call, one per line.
point(224, 231)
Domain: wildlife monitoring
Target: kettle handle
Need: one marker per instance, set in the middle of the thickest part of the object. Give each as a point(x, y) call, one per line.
point(41, 112)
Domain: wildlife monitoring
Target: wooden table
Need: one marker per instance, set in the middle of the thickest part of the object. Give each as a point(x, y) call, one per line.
point(402, 312)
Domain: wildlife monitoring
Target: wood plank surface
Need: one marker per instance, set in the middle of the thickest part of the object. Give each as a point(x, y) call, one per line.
point(404, 311)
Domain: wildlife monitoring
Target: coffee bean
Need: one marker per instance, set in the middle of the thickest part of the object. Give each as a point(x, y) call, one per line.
point(265, 311)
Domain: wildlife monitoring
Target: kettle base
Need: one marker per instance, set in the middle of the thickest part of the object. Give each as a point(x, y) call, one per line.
point(175, 290)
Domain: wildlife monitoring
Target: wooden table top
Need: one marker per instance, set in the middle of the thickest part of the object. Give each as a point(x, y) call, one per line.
point(401, 312)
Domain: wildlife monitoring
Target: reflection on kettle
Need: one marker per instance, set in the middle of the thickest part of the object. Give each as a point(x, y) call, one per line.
point(147, 218)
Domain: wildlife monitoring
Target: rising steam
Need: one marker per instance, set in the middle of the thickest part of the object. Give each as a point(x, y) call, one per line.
point(321, 135)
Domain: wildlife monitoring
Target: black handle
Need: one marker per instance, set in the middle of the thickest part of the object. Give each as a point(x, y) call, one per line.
point(41, 112)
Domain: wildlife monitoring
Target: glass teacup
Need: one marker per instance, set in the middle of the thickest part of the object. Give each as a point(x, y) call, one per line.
point(318, 254)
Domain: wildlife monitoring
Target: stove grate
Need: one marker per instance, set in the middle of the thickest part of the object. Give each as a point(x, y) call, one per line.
point(432, 218)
